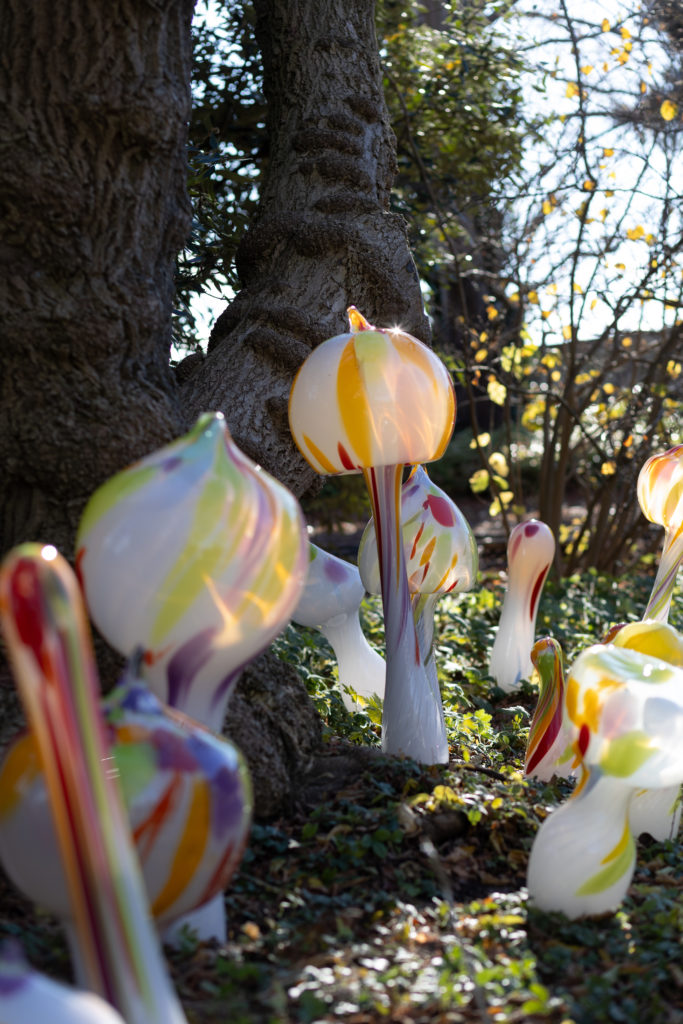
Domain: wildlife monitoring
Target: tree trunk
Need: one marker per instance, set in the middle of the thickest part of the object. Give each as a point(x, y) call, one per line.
point(323, 238)
point(95, 99)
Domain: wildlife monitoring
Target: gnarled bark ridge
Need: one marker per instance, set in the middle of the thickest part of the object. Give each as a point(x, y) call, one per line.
point(323, 238)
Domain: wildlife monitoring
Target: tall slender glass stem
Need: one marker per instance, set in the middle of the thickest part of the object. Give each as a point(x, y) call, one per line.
point(670, 562)
point(412, 720)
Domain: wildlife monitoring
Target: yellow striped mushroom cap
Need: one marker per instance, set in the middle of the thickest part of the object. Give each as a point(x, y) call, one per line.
point(660, 488)
point(371, 397)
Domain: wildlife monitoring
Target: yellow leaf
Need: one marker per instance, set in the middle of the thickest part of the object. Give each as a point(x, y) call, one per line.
point(496, 391)
point(556, 376)
point(491, 312)
point(625, 34)
point(533, 298)
point(483, 336)
point(609, 193)
point(594, 303)
point(481, 355)
point(673, 369)
point(567, 332)
point(643, 87)
point(545, 313)
point(608, 468)
point(514, 297)
point(547, 207)
point(586, 69)
point(608, 152)
point(608, 388)
point(578, 288)
point(627, 342)
point(605, 66)
point(650, 239)
point(479, 480)
point(635, 233)
point(483, 440)
point(588, 185)
point(498, 463)
point(603, 213)
point(572, 90)
point(551, 289)
point(605, 25)
point(620, 266)
point(668, 110)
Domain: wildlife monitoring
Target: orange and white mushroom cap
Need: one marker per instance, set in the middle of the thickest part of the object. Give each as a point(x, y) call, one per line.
point(660, 488)
point(371, 397)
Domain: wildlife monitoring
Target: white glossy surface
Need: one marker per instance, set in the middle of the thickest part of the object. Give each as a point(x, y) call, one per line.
point(530, 550)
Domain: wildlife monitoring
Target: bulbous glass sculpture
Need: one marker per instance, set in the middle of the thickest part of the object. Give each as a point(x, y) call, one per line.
point(372, 401)
point(627, 710)
point(551, 748)
point(530, 550)
point(115, 948)
point(655, 811)
point(660, 493)
point(27, 996)
point(197, 556)
point(441, 558)
point(330, 602)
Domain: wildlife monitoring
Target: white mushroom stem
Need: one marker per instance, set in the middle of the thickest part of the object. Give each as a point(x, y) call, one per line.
point(583, 856)
point(412, 718)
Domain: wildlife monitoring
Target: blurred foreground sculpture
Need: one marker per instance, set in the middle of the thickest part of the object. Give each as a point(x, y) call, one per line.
point(197, 556)
point(530, 550)
point(117, 953)
point(373, 401)
point(27, 996)
point(187, 794)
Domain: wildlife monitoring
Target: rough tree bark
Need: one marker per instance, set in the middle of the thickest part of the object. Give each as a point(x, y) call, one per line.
point(93, 208)
point(95, 98)
point(323, 238)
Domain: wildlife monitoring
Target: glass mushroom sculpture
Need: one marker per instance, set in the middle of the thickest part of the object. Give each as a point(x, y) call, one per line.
point(441, 558)
point(655, 811)
point(373, 401)
point(186, 791)
point(530, 550)
point(26, 996)
point(198, 556)
point(660, 494)
point(549, 748)
point(330, 602)
point(49, 647)
point(627, 709)
point(552, 744)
